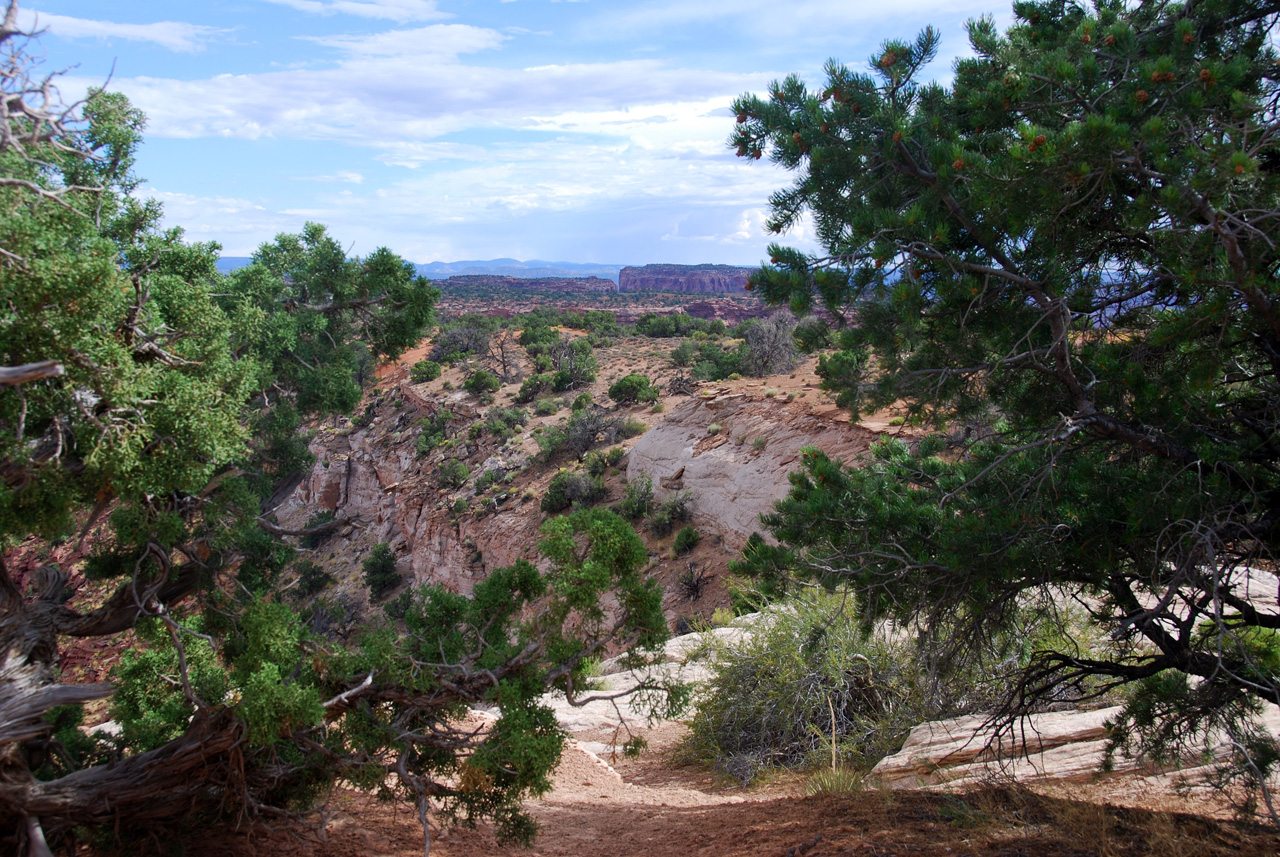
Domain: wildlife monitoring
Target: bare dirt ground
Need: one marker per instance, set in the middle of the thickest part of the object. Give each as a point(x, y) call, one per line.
point(653, 807)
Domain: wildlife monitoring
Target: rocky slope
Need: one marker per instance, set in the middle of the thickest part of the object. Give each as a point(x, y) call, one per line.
point(692, 279)
point(732, 449)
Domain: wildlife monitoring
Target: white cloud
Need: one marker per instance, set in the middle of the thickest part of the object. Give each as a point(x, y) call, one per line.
point(439, 40)
point(348, 176)
point(393, 10)
point(174, 35)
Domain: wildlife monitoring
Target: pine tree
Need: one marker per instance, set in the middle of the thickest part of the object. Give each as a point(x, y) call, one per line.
point(1064, 263)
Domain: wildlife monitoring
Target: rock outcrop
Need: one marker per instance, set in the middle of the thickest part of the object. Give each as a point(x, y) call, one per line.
point(1060, 746)
point(690, 279)
point(740, 471)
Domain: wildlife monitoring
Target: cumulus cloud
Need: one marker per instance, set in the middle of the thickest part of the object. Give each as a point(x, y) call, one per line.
point(174, 35)
point(393, 10)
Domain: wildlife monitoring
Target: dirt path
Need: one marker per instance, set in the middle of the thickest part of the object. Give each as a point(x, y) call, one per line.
point(653, 808)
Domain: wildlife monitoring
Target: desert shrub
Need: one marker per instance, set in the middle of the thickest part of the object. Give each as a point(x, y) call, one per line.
point(769, 347)
point(533, 386)
point(312, 578)
point(312, 541)
point(633, 388)
point(770, 698)
point(546, 407)
point(684, 354)
point(584, 400)
point(488, 479)
point(637, 499)
point(615, 455)
point(714, 429)
point(453, 474)
point(676, 509)
point(379, 569)
point(686, 540)
point(811, 334)
point(676, 324)
point(482, 383)
point(569, 489)
point(424, 371)
point(503, 422)
point(433, 431)
point(595, 463)
point(461, 340)
point(584, 430)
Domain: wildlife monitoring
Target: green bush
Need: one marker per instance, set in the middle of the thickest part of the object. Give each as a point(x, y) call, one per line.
point(633, 388)
point(434, 430)
point(424, 371)
point(487, 479)
point(312, 578)
point(379, 570)
point(595, 463)
point(674, 510)
point(453, 474)
point(686, 540)
point(546, 407)
point(635, 503)
point(584, 400)
point(503, 422)
point(482, 383)
point(684, 354)
point(770, 698)
point(569, 489)
point(615, 455)
point(533, 386)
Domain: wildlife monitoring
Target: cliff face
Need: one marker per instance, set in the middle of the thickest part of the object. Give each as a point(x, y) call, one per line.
point(690, 279)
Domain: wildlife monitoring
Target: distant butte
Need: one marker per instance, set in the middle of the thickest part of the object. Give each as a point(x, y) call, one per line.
point(690, 279)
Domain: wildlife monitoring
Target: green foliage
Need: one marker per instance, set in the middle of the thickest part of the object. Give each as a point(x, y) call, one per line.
point(481, 383)
point(584, 430)
point(379, 570)
point(504, 422)
point(676, 509)
point(583, 400)
point(315, 540)
point(637, 499)
point(772, 697)
point(686, 540)
point(676, 324)
point(632, 389)
point(433, 432)
point(532, 387)
point(568, 488)
point(1035, 258)
point(684, 354)
point(312, 579)
point(453, 473)
point(424, 371)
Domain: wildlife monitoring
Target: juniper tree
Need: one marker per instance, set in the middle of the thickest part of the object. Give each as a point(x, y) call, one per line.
point(1064, 262)
point(155, 405)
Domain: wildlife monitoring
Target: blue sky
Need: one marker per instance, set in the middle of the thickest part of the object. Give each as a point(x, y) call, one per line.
point(588, 131)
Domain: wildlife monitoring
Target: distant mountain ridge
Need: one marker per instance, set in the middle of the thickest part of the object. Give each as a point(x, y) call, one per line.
point(532, 269)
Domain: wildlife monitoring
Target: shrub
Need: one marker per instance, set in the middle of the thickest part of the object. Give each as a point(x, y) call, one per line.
point(424, 371)
point(615, 455)
point(434, 430)
point(684, 354)
point(713, 429)
point(584, 430)
point(674, 510)
point(533, 386)
point(379, 569)
point(657, 408)
point(487, 479)
point(312, 578)
point(546, 407)
point(633, 388)
point(770, 698)
point(686, 540)
point(453, 474)
point(595, 463)
point(584, 400)
point(503, 422)
point(638, 498)
point(569, 489)
point(482, 383)
point(466, 338)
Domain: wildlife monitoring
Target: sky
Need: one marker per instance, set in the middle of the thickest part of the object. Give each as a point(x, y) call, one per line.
point(565, 130)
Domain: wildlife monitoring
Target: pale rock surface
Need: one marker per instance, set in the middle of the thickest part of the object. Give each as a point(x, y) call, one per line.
point(732, 481)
